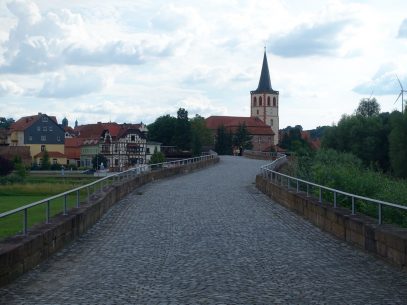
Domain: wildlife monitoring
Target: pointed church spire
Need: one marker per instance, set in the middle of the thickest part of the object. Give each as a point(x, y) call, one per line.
point(264, 82)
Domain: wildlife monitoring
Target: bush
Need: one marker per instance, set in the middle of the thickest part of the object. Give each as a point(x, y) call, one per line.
point(6, 166)
point(345, 172)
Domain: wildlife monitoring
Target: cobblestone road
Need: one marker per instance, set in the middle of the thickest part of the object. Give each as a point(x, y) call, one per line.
point(208, 238)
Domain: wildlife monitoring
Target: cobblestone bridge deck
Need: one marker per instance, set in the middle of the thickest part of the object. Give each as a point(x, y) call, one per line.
point(208, 238)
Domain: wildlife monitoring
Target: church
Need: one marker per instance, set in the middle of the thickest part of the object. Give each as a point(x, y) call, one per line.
point(263, 123)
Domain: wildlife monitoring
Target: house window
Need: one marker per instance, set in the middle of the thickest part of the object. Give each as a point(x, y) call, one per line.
point(50, 128)
point(42, 147)
point(38, 128)
point(254, 102)
point(257, 111)
point(43, 138)
point(271, 122)
point(268, 101)
point(274, 102)
point(45, 119)
point(133, 138)
point(30, 138)
point(148, 150)
point(58, 138)
point(54, 161)
point(260, 101)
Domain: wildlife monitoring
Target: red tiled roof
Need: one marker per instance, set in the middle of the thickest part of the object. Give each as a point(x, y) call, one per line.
point(255, 126)
point(26, 121)
point(51, 154)
point(95, 130)
point(73, 142)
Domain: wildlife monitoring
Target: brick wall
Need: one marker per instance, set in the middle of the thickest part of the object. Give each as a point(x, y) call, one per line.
point(386, 241)
point(19, 254)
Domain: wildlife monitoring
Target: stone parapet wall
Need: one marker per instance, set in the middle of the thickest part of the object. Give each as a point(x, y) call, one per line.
point(19, 254)
point(386, 241)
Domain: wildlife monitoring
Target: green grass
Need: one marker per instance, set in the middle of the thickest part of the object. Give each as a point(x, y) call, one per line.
point(36, 188)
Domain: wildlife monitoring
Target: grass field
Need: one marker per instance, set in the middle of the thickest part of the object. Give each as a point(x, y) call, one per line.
point(35, 189)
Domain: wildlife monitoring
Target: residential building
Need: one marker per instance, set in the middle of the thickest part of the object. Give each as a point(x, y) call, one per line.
point(40, 133)
point(73, 151)
point(152, 146)
point(123, 145)
point(89, 149)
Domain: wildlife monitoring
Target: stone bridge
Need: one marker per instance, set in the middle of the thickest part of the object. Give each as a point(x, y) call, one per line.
point(209, 237)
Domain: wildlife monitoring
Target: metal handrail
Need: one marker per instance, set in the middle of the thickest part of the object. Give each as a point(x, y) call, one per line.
point(268, 171)
point(130, 172)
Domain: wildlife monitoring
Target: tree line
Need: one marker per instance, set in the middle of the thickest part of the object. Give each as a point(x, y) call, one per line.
point(378, 139)
point(184, 133)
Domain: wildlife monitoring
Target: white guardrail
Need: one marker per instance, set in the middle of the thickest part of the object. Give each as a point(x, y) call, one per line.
point(95, 186)
point(268, 172)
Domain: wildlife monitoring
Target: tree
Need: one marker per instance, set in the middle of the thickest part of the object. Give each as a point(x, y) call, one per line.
point(6, 166)
point(163, 130)
point(157, 157)
point(398, 144)
point(97, 160)
point(19, 167)
point(45, 163)
point(242, 137)
point(201, 135)
point(6, 123)
point(223, 145)
point(182, 136)
point(365, 137)
point(368, 107)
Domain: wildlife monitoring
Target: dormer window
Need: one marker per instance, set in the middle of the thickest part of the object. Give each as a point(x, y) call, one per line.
point(45, 119)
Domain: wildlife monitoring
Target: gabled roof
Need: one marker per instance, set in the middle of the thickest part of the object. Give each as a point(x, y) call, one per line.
point(95, 131)
point(26, 121)
point(254, 125)
point(264, 82)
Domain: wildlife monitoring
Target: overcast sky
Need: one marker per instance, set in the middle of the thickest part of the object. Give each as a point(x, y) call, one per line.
point(132, 61)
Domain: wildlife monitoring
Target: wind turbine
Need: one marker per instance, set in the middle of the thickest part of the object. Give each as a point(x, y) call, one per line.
point(401, 94)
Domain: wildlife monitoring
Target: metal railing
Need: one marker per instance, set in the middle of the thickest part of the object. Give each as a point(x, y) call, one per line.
point(95, 186)
point(268, 172)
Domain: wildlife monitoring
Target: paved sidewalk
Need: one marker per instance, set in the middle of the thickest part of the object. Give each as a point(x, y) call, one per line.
point(208, 238)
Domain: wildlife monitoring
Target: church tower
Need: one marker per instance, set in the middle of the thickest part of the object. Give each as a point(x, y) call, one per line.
point(264, 100)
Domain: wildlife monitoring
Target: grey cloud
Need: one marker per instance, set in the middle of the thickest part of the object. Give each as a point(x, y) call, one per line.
point(403, 29)
point(309, 40)
point(384, 82)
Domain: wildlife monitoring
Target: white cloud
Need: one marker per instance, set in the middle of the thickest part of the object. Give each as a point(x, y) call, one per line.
point(72, 84)
point(48, 41)
point(9, 88)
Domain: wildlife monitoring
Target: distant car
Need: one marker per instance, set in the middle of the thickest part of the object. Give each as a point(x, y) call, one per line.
point(89, 172)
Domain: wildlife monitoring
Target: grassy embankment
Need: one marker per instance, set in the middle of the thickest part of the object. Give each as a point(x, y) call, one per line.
point(34, 189)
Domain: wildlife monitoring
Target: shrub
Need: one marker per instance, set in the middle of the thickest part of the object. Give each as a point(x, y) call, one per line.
point(6, 166)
